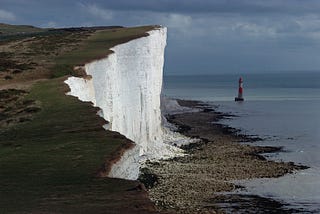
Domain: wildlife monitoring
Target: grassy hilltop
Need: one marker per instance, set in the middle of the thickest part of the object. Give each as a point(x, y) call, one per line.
point(53, 145)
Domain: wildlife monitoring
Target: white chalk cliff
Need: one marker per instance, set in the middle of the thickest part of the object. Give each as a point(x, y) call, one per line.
point(126, 85)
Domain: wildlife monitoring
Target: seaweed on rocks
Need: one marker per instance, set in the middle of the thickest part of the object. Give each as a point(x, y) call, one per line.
point(242, 203)
point(148, 178)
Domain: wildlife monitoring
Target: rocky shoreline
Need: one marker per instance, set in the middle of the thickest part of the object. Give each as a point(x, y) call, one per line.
point(191, 184)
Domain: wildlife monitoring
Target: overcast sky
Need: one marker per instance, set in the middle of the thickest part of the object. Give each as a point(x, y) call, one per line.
point(204, 36)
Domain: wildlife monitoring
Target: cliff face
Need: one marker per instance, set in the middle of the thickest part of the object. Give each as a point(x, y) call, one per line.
point(126, 86)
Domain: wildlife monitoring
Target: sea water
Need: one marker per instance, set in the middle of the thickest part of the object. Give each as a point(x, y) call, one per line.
point(283, 109)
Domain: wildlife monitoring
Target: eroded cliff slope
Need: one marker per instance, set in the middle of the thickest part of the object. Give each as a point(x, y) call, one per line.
point(126, 85)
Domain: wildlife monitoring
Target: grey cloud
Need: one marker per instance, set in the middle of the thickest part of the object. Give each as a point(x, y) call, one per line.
point(244, 7)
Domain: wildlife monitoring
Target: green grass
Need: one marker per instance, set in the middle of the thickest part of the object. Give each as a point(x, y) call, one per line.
point(16, 32)
point(6, 29)
point(49, 164)
point(95, 47)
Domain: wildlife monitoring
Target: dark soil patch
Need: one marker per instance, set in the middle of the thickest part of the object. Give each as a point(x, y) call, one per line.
point(15, 108)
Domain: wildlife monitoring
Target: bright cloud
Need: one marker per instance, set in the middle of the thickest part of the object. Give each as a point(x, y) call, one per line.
point(6, 15)
point(50, 24)
point(176, 20)
point(98, 12)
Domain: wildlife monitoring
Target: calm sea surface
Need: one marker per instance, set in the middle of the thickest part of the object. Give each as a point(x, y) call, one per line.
point(284, 109)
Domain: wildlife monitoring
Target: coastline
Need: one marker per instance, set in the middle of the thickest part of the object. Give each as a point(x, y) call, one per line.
point(192, 183)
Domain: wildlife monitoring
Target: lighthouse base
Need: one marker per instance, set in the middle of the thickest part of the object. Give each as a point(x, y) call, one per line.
point(238, 99)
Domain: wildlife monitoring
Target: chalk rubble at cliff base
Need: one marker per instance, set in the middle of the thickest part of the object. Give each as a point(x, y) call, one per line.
point(126, 85)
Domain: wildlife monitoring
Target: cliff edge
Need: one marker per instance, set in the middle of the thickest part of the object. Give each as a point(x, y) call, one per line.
point(52, 145)
point(126, 85)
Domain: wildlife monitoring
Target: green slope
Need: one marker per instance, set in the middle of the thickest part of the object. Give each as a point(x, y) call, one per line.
point(6, 29)
point(49, 164)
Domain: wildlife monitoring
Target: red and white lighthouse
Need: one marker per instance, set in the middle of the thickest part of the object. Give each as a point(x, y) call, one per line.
point(240, 91)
